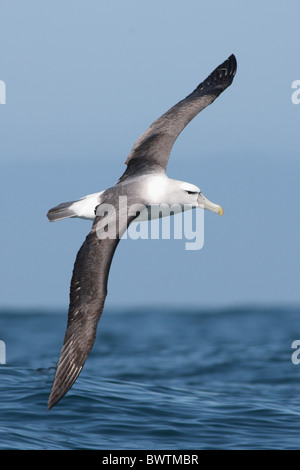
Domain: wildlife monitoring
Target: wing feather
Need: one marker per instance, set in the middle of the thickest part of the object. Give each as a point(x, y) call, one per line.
point(88, 291)
point(151, 151)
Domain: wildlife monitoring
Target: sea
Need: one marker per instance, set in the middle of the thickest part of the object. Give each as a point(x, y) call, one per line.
point(157, 379)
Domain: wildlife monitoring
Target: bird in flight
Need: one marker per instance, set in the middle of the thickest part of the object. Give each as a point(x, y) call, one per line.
point(144, 183)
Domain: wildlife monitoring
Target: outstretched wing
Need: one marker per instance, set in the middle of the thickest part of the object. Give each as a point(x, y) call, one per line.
point(87, 295)
point(151, 151)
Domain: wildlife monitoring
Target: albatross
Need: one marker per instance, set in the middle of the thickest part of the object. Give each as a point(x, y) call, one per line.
point(144, 182)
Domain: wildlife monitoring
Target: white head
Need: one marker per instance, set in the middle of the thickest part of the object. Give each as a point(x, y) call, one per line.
point(187, 193)
point(160, 189)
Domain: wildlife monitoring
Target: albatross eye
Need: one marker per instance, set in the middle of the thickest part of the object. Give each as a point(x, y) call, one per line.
point(191, 192)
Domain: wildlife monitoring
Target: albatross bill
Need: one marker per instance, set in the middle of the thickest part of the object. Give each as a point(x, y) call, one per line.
point(207, 204)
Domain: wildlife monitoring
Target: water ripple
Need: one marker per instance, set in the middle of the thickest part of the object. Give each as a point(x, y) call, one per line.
point(168, 381)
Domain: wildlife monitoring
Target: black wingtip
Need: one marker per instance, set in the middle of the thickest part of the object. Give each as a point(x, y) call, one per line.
point(220, 78)
point(233, 64)
point(49, 406)
point(61, 385)
point(225, 71)
point(55, 397)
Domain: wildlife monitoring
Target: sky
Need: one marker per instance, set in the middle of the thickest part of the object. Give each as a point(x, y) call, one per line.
point(84, 79)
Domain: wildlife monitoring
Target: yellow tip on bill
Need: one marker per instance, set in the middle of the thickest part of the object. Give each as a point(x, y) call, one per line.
point(221, 211)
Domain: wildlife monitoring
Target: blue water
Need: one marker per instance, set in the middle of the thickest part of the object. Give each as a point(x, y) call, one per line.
point(155, 379)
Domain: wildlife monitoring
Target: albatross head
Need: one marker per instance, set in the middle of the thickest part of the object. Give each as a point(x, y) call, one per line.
point(159, 189)
point(191, 194)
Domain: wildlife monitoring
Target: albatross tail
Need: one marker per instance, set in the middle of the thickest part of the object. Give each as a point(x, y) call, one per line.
point(83, 208)
point(62, 211)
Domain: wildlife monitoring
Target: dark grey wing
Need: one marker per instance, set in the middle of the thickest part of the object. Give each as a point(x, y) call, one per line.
point(151, 151)
point(87, 295)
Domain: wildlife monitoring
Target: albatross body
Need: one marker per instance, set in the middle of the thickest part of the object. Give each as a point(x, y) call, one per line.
point(144, 184)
